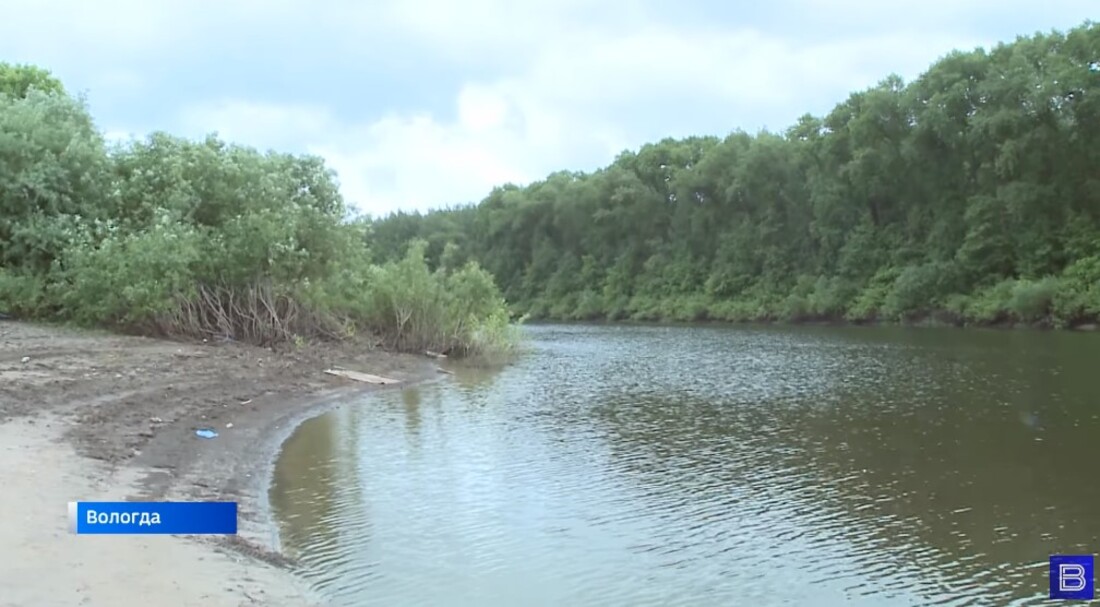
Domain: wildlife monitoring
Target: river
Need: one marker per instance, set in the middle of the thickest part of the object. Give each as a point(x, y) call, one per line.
point(701, 466)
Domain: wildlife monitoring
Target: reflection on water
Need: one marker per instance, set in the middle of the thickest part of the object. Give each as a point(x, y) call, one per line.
point(709, 466)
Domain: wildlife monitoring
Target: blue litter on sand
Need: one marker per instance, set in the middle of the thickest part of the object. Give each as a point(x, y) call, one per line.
point(206, 433)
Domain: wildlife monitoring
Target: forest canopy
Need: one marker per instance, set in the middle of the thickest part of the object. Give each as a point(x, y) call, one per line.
point(969, 195)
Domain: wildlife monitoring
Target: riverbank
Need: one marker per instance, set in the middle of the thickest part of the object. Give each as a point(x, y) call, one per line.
point(923, 322)
point(97, 416)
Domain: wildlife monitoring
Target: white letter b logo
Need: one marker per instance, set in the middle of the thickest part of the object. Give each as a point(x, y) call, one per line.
point(1071, 577)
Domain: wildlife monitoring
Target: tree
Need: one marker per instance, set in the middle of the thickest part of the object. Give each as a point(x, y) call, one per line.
point(968, 194)
point(19, 80)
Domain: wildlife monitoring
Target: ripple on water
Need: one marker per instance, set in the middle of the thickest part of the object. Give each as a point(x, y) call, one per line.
point(699, 466)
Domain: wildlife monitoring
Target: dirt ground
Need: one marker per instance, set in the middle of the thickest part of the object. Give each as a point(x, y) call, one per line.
point(97, 416)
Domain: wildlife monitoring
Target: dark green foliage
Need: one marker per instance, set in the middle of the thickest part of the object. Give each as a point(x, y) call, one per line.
point(970, 195)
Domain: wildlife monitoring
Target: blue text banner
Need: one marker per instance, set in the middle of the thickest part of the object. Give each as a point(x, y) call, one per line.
point(172, 518)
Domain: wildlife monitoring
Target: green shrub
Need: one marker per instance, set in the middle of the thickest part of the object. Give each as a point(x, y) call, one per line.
point(21, 294)
point(796, 308)
point(618, 307)
point(917, 290)
point(956, 306)
point(1031, 300)
point(868, 304)
point(831, 297)
point(684, 308)
point(493, 340)
point(644, 308)
point(203, 238)
point(127, 278)
point(797, 305)
point(53, 171)
point(563, 306)
point(1078, 296)
point(991, 305)
point(738, 310)
point(416, 309)
point(589, 306)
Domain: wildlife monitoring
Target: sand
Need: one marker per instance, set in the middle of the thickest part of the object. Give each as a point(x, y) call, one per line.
point(93, 416)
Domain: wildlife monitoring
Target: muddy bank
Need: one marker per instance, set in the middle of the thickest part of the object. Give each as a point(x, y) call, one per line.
point(87, 415)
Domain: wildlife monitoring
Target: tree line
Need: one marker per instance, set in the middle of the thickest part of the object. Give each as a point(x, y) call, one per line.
point(169, 236)
point(970, 195)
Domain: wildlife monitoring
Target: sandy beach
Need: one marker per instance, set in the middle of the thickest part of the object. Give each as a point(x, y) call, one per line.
point(97, 416)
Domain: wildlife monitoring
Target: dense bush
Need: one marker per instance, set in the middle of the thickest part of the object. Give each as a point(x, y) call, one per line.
point(449, 311)
point(207, 239)
point(1078, 296)
point(53, 176)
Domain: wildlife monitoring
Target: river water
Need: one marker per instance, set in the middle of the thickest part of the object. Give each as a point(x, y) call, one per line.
point(632, 466)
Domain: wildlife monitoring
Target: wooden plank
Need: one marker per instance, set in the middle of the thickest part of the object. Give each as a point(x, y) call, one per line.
point(363, 377)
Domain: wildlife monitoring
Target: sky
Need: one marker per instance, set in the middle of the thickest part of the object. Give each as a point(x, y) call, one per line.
point(421, 104)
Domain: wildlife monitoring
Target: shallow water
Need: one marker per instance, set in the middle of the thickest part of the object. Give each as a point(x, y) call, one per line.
point(620, 465)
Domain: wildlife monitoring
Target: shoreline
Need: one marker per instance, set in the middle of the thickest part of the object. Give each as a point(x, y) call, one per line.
point(1086, 327)
point(264, 465)
point(90, 415)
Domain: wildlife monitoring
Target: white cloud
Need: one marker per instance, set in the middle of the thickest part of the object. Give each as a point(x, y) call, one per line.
point(398, 161)
point(480, 29)
point(261, 124)
point(417, 162)
point(480, 109)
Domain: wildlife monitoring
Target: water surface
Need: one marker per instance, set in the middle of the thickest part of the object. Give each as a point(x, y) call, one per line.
point(619, 465)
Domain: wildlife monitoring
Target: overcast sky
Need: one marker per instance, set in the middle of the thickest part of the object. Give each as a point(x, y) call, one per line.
point(425, 103)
